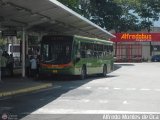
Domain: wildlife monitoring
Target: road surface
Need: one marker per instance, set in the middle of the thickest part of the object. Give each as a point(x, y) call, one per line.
point(132, 88)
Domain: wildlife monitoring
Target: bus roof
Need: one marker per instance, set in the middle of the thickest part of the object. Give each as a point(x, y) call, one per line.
point(93, 39)
point(87, 39)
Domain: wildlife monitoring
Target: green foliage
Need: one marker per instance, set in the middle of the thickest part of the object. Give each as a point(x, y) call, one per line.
point(73, 4)
point(120, 15)
point(148, 11)
point(115, 15)
point(2, 42)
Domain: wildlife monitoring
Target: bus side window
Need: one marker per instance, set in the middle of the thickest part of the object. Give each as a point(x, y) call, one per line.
point(111, 49)
point(83, 54)
point(104, 51)
point(100, 51)
point(88, 50)
point(92, 50)
point(83, 50)
point(77, 50)
point(95, 51)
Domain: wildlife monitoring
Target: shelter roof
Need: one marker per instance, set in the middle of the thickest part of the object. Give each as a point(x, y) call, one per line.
point(48, 16)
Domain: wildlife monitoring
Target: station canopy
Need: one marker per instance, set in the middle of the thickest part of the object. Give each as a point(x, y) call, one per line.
point(47, 16)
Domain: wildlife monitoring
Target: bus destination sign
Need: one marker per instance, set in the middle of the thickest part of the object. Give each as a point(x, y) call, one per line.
point(9, 33)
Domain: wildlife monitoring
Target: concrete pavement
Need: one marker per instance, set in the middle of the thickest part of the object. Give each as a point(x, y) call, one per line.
point(10, 86)
point(131, 89)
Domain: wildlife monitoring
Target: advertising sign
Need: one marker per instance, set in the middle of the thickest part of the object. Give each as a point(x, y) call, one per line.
point(136, 37)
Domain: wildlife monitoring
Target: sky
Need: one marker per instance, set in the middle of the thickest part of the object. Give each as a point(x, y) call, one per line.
point(157, 23)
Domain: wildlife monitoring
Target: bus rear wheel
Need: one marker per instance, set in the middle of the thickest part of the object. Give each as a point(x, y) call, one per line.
point(104, 74)
point(83, 73)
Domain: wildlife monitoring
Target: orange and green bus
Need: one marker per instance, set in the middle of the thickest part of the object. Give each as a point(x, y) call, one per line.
point(75, 55)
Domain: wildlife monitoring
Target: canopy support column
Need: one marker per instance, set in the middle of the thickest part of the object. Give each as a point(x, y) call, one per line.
point(23, 52)
point(26, 43)
point(0, 65)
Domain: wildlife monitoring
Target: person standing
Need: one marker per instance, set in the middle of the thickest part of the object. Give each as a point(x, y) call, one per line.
point(27, 66)
point(38, 63)
point(3, 64)
point(33, 63)
point(10, 64)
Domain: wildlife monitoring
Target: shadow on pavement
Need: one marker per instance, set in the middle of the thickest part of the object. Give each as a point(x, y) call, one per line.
point(127, 64)
point(23, 105)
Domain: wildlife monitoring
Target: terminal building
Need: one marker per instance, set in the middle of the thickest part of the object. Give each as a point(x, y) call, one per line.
point(137, 47)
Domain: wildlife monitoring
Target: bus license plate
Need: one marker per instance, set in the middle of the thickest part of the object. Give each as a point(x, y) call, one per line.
point(55, 71)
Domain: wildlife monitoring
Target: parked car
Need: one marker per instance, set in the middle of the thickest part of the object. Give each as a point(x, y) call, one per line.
point(155, 58)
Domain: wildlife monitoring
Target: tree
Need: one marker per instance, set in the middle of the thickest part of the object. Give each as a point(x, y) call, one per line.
point(114, 14)
point(105, 13)
point(73, 4)
point(2, 42)
point(118, 15)
point(148, 11)
point(84, 8)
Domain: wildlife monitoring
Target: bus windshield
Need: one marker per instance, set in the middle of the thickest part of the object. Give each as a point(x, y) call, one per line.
point(56, 52)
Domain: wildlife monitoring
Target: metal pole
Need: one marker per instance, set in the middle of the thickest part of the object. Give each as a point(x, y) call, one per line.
point(12, 45)
point(0, 65)
point(27, 44)
point(0, 69)
point(23, 53)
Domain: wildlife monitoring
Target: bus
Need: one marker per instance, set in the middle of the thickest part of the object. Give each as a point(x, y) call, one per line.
point(75, 55)
point(14, 49)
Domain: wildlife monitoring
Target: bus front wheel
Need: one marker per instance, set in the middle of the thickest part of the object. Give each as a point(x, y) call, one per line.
point(83, 73)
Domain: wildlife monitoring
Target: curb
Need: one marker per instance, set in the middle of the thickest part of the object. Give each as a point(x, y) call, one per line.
point(25, 90)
